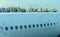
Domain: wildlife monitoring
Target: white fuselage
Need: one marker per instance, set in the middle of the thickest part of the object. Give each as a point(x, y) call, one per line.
point(29, 24)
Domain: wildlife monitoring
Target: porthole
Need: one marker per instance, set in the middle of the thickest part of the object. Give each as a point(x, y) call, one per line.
point(33, 26)
point(54, 23)
point(44, 25)
point(47, 24)
point(37, 25)
point(16, 27)
point(11, 27)
point(29, 26)
point(40, 25)
point(25, 26)
point(20, 27)
point(51, 24)
point(6, 28)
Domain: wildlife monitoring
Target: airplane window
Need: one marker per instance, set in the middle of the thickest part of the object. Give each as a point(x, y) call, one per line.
point(37, 25)
point(54, 23)
point(20, 27)
point(33, 26)
point(11, 28)
point(44, 25)
point(41, 25)
point(6, 28)
point(25, 26)
point(51, 23)
point(29, 26)
point(16, 27)
point(47, 24)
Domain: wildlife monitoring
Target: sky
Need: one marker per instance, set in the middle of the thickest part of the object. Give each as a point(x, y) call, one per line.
point(31, 3)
